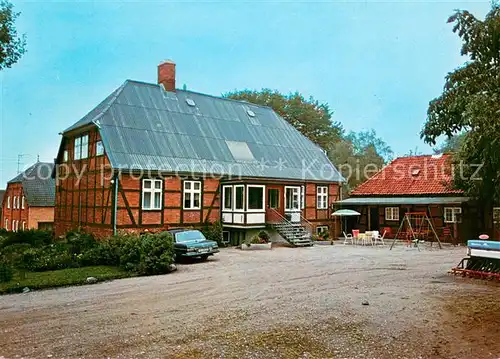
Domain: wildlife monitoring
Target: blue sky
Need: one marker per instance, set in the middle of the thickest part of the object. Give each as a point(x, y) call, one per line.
point(377, 64)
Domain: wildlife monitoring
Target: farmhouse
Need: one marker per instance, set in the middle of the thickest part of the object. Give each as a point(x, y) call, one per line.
point(415, 184)
point(28, 201)
point(152, 157)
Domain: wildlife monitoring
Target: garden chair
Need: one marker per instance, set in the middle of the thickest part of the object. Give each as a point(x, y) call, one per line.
point(347, 238)
point(380, 238)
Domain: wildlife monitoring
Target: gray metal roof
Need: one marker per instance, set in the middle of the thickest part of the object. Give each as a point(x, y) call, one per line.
point(394, 201)
point(145, 127)
point(38, 185)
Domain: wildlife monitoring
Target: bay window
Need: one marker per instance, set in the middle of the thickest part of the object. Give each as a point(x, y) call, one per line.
point(192, 194)
point(239, 198)
point(255, 198)
point(227, 198)
point(152, 190)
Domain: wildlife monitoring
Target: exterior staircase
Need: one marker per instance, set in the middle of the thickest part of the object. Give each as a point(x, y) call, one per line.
point(296, 234)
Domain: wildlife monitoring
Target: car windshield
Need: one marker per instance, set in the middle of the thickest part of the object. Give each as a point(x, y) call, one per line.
point(189, 236)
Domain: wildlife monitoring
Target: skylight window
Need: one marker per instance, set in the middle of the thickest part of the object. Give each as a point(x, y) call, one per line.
point(415, 172)
point(190, 102)
point(240, 151)
point(251, 113)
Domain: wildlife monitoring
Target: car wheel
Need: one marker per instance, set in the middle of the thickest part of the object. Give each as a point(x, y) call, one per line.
point(204, 258)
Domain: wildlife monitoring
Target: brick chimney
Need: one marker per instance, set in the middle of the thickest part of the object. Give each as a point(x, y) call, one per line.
point(166, 75)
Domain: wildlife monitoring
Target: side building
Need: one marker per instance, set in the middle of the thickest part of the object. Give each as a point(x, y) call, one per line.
point(153, 157)
point(414, 184)
point(28, 202)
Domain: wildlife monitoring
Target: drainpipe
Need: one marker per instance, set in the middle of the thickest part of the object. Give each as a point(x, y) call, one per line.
point(115, 203)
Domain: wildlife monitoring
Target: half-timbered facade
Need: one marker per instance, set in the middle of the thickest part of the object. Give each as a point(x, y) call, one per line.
point(152, 157)
point(28, 201)
point(414, 184)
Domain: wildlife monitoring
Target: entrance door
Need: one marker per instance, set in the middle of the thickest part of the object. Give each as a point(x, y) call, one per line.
point(374, 219)
point(274, 204)
point(292, 203)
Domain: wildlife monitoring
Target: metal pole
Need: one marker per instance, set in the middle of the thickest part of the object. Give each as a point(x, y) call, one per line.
point(115, 205)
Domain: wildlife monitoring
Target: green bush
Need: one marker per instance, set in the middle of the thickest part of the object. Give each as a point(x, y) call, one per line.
point(32, 237)
point(264, 236)
point(79, 242)
point(213, 232)
point(6, 272)
point(130, 251)
point(143, 255)
point(157, 254)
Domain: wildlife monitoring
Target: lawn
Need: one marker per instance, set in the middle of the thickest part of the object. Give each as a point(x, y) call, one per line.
point(60, 278)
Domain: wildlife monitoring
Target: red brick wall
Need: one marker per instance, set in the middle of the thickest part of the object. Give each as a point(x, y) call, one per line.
point(83, 189)
point(40, 214)
point(14, 214)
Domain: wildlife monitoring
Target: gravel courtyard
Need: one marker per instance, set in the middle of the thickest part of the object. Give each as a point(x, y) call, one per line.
point(284, 303)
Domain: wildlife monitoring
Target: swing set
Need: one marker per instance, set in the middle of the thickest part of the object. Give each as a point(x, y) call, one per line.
point(416, 227)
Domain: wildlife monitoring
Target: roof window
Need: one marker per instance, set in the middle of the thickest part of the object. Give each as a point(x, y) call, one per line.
point(240, 151)
point(251, 113)
point(190, 102)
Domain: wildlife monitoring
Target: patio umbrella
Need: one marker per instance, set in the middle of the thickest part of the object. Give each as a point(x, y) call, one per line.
point(345, 213)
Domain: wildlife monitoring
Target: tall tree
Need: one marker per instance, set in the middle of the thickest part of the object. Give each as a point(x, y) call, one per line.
point(471, 102)
point(12, 46)
point(358, 156)
point(311, 118)
point(451, 144)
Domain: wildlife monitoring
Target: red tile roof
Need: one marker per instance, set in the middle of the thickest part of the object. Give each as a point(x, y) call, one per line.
point(414, 175)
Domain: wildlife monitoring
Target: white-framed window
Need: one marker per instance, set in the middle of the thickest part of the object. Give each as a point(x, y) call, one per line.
point(239, 198)
point(227, 198)
point(302, 197)
point(452, 214)
point(14, 225)
point(292, 198)
point(392, 213)
point(496, 215)
point(255, 198)
point(65, 156)
point(152, 190)
point(99, 148)
point(24, 226)
point(22, 202)
point(8, 202)
point(321, 229)
point(15, 205)
point(6, 224)
point(192, 194)
point(81, 147)
point(322, 197)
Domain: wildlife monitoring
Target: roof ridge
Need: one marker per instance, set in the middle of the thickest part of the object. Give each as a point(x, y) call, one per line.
point(202, 94)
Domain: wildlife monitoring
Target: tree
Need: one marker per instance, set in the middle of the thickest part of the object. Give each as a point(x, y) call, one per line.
point(470, 102)
point(452, 144)
point(311, 118)
point(358, 156)
point(12, 47)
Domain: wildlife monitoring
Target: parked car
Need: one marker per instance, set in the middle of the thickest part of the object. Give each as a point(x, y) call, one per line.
point(192, 243)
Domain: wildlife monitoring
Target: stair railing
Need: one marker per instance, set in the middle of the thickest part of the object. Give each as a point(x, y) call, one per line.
point(283, 218)
point(305, 223)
